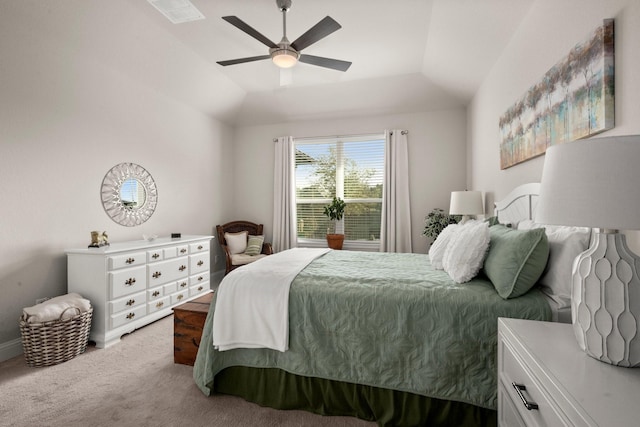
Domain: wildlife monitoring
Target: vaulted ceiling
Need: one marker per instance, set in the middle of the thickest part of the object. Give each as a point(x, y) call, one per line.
point(407, 55)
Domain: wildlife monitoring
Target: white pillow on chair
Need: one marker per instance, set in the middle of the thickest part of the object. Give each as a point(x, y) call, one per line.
point(236, 242)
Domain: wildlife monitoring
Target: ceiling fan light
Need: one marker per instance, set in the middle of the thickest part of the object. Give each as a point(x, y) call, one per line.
point(284, 58)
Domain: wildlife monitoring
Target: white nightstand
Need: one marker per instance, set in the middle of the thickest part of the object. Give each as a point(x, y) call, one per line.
point(568, 387)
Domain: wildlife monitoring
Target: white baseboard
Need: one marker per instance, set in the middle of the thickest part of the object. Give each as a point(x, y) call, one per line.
point(10, 349)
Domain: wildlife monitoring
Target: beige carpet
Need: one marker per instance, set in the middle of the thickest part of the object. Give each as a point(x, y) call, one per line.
point(133, 383)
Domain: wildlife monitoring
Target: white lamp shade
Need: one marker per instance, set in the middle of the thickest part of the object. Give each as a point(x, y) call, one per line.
point(596, 183)
point(466, 203)
point(592, 183)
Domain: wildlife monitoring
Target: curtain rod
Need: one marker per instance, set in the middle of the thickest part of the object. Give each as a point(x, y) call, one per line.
point(404, 132)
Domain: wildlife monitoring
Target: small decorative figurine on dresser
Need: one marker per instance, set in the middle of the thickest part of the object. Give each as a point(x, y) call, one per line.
point(99, 240)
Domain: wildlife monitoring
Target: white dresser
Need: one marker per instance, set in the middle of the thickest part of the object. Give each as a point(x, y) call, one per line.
point(131, 284)
point(568, 387)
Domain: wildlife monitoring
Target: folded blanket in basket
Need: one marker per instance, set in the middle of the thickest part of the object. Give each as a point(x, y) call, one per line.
point(62, 307)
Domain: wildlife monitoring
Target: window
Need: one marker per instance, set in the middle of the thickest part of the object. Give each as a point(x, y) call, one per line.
point(351, 168)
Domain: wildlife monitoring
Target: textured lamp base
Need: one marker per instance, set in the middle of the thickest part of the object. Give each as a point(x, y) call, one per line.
point(605, 302)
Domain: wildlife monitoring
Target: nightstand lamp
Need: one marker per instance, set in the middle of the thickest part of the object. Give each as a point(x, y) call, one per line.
point(596, 183)
point(466, 203)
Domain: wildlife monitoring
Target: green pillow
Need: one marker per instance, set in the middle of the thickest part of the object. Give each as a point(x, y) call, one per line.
point(516, 259)
point(254, 245)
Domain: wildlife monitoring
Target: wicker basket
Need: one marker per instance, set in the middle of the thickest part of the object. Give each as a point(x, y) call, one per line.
point(57, 341)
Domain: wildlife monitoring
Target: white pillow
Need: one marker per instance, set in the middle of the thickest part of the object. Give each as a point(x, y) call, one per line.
point(236, 242)
point(436, 252)
point(466, 251)
point(565, 244)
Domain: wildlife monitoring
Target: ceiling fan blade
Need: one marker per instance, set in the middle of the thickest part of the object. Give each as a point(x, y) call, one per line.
point(320, 61)
point(243, 60)
point(322, 29)
point(239, 23)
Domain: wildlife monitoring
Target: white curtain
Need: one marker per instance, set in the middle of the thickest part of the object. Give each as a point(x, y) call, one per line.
point(284, 202)
point(395, 235)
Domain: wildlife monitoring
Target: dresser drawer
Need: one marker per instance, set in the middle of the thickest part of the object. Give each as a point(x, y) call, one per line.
point(129, 281)
point(199, 278)
point(170, 288)
point(199, 263)
point(171, 252)
point(167, 271)
point(155, 255)
point(159, 304)
point(128, 316)
point(198, 289)
point(179, 297)
point(126, 303)
point(182, 250)
point(182, 285)
point(197, 247)
point(513, 370)
point(155, 293)
point(129, 260)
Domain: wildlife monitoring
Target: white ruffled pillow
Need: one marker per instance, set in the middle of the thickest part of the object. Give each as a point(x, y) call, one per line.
point(565, 244)
point(439, 246)
point(466, 251)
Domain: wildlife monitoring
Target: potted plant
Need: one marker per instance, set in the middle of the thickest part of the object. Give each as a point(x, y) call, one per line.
point(335, 211)
point(436, 221)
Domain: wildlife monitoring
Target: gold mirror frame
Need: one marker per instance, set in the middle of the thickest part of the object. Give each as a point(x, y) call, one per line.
point(125, 212)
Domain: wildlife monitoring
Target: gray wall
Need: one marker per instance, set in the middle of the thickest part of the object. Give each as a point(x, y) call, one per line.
point(67, 115)
point(437, 156)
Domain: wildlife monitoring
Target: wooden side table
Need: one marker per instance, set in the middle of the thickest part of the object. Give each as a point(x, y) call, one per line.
point(188, 321)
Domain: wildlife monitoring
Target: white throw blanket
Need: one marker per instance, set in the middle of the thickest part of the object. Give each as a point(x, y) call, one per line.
point(252, 305)
point(61, 307)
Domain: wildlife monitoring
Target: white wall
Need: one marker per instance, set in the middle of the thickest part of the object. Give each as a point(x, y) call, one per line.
point(437, 161)
point(546, 35)
point(67, 115)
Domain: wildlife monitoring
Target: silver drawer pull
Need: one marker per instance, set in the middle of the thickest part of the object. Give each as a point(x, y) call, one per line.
point(519, 389)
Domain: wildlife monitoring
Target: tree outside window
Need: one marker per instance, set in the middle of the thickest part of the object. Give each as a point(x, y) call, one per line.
point(349, 168)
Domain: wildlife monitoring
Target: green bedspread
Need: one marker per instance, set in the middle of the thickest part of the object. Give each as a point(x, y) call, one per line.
point(386, 320)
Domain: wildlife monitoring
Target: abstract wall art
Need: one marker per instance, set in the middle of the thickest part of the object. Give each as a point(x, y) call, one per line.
point(573, 100)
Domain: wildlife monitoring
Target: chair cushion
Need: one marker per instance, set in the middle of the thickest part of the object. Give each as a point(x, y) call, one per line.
point(236, 242)
point(242, 259)
point(254, 245)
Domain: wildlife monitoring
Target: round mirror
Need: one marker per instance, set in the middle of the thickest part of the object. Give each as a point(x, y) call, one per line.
point(129, 194)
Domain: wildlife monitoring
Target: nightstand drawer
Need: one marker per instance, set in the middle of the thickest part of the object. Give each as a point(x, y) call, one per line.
point(519, 385)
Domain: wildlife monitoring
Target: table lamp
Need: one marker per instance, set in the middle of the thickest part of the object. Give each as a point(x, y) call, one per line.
point(596, 183)
point(466, 203)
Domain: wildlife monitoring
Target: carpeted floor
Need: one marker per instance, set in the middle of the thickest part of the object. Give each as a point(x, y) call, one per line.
point(133, 383)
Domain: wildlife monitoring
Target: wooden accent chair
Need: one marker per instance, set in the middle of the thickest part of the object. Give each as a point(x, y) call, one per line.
point(234, 261)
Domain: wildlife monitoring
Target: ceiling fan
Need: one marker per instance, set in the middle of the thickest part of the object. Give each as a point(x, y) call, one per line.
point(286, 54)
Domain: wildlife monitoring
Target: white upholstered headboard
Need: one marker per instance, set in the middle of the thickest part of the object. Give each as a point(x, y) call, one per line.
point(519, 204)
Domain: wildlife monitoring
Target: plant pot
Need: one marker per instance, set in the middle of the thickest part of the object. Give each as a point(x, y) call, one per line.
point(335, 241)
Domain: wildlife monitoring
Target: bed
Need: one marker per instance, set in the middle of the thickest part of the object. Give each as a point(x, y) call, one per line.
point(396, 342)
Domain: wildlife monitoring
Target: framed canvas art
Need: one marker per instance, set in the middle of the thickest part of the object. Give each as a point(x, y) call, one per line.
point(573, 100)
